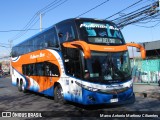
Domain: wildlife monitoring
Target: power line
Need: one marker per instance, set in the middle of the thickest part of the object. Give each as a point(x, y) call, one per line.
point(17, 30)
point(56, 6)
point(4, 43)
point(33, 20)
point(4, 46)
point(155, 25)
point(125, 9)
point(93, 8)
point(40, 11)
point(24, 32)
point(48, 6)
point(44, 10)
point(125, 16)
point(142, 14)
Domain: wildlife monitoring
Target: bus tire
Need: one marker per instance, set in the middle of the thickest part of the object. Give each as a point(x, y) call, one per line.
point(20, 86)
point(58, 95)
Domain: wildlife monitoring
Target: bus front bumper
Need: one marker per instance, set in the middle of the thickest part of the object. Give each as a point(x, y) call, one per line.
point(91, 98)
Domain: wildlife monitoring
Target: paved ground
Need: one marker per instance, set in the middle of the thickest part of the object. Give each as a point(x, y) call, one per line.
point(147, 90)
point(12, 100)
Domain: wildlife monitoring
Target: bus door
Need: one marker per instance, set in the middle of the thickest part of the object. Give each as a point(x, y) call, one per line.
point(73, 68)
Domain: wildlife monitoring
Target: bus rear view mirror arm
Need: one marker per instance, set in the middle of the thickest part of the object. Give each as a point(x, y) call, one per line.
point(140, 47)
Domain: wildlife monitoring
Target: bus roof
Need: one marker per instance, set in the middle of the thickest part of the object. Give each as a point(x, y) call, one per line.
point(70, 19)
point(89, 19)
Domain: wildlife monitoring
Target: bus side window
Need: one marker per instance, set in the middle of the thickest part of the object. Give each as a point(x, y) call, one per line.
point(51, 70)
point(29, 71)
point(24, 69)
point(14, 52)
point(54, 38)
point(66, 31)
point(40, 69)
point(72, 62)
point(50, 39)
point(47, 71)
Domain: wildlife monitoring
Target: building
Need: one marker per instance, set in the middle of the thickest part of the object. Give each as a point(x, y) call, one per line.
point(5, 66)
point(152, 49)
point(148, 70)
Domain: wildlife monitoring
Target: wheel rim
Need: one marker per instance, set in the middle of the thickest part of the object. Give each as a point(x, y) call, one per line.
point(22, 87)
point(60, 94)
point(19, 87)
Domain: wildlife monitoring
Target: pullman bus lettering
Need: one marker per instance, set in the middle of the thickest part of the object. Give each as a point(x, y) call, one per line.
point(37, 56)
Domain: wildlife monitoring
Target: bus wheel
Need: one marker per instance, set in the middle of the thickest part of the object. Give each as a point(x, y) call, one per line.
point(58, 95)
point(23, 89)
point(20, 86)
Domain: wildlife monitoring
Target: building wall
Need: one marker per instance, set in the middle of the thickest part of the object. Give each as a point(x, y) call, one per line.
point(5, 66)
point(145, 71)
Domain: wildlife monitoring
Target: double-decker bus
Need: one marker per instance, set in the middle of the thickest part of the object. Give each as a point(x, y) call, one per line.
point(82, 60)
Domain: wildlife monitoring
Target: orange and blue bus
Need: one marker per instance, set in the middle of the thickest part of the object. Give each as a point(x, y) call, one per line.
point(82, 60)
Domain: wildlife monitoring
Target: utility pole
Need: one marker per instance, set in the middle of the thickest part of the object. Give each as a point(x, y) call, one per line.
point(10, 45)
point(40, 15)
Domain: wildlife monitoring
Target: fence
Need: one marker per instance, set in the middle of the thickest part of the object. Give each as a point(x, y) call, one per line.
point(145, 71)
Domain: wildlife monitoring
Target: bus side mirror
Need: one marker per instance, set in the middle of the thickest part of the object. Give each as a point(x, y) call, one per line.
point(140, 47)
point(83, 45)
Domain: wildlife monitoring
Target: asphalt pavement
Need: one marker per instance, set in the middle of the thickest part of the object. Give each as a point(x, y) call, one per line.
point(143, 90)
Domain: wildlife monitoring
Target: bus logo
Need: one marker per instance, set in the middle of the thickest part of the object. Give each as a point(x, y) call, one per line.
point(37, 56)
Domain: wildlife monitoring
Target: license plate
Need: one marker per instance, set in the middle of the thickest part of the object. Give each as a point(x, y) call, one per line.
point(114, 100)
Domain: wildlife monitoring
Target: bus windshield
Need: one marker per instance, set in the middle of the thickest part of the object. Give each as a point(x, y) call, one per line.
point(113, 67)
point(100, 32)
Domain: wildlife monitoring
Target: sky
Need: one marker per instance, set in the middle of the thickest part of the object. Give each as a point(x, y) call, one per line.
point(15, 14)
